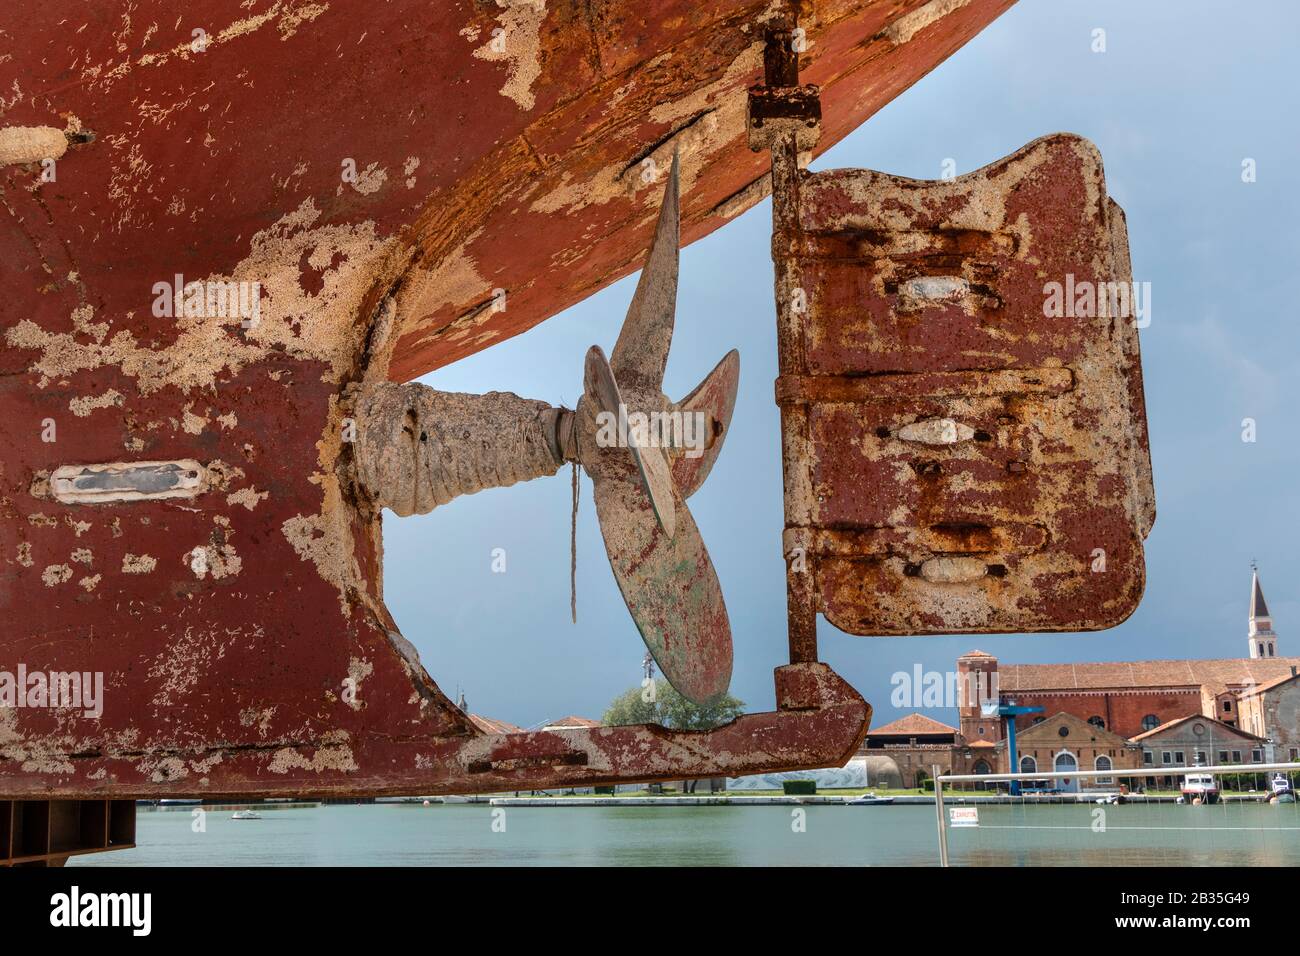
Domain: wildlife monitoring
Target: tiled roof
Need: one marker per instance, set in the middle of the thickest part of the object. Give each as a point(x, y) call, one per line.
point(1269, 684)
point(1215, 674)
point(1236, 731)
point(571, 722)
point(1161, 727)
point(912, 725)
point(490, 726)
point(976, 653)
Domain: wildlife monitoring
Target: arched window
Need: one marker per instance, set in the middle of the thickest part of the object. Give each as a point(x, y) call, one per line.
point(981, 766)
point(1104, 763)
point(1028, 765)
point(1097, 721)
point(1150, 722)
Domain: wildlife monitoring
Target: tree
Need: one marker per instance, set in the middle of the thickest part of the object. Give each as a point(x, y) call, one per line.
point(669, 708)
point(682, 714)
point(630, 707)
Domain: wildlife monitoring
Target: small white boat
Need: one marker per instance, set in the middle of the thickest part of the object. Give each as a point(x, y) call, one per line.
point(1281, 790)
point(1200, 787)
point(245, 815)
point(868, 800)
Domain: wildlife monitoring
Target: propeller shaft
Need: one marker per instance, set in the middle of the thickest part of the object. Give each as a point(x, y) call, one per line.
point(417, 448)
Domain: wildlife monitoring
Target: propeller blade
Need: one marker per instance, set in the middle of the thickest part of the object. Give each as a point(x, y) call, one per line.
point(641, 353)
point(599, 383)
point(715, 398)
point(670, 588)
point(654, 546)
point(651, 462)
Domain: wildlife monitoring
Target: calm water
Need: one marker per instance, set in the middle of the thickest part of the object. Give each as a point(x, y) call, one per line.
point(462, 835)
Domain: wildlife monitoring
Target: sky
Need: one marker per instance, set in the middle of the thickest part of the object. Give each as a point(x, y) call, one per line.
point(1181, 96)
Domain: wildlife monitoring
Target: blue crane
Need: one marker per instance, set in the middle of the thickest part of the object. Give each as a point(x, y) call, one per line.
point(1010, 710)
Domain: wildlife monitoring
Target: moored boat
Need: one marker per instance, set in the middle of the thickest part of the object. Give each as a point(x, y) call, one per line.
point(1200, 787)
point(1281, 790)
point(868, 800)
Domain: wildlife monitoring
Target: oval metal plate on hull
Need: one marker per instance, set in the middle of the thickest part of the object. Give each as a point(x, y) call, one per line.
point(128, 481)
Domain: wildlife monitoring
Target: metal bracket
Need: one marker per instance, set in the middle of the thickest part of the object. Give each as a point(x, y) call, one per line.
point(781, 108)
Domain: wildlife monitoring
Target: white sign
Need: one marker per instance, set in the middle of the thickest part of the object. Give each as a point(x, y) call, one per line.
point(964, 816)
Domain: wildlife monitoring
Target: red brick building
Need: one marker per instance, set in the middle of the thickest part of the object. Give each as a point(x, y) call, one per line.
point(1065, 743)
point(1129, 697)
point(1136, 709)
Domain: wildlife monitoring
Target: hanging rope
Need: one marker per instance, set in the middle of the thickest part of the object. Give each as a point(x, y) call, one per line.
point(573, 550)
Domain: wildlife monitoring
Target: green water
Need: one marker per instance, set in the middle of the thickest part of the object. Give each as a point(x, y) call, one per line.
point(463, 835)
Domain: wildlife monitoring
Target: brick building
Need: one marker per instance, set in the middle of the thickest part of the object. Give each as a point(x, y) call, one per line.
point(1197, 740)
point(1133, 712)
point(1065, 743)
point(916, 744)
point(1132, 697)
point(1272, 710)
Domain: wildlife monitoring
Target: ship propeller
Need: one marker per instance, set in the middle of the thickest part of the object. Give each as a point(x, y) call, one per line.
point(646, 455)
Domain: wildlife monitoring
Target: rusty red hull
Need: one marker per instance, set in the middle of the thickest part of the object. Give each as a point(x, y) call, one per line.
point(523, 170)
point(821, 722)
point(334, 156)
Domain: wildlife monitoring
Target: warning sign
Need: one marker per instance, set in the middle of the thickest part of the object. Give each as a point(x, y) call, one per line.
point(964, 816)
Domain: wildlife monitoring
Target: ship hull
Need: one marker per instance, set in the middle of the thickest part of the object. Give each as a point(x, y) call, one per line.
point(318, 160)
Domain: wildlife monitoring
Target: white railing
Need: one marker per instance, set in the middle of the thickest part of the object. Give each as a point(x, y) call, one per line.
point(1168, 770)
point(1112, 774)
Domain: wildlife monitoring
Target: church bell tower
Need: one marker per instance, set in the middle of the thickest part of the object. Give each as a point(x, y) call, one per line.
point(1263, 642)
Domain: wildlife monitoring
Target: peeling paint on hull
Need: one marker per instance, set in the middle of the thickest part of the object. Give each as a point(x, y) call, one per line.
point(228, 626)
